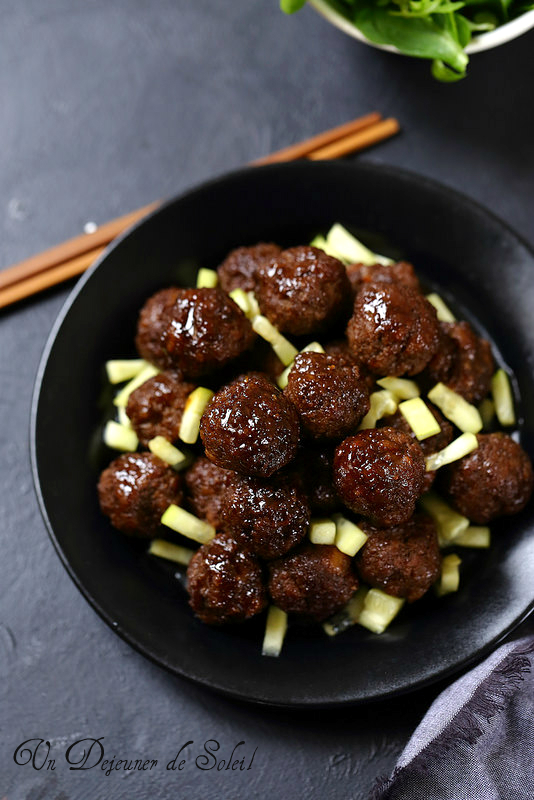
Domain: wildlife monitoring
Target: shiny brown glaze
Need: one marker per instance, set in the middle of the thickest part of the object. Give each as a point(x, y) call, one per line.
point(463, 362)
point(152, 327)
point(303, 290)
point(225, 582)
point(378, 473)
point(394, 330)
point(249, 426)
point(401, 272)
point(313, 583)
point(239, 268)
point(267, 518)
point(135, 490)
point(330, 397)
point(156, 407)
point(494, 480)
point(404, 560)
point(207, 486)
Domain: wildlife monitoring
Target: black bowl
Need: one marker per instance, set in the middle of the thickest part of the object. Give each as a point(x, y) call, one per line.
point(474, 260)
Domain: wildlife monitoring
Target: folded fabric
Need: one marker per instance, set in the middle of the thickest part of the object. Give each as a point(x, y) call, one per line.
point(477, 740)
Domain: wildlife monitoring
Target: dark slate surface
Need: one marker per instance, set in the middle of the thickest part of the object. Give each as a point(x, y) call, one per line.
point(104, 107)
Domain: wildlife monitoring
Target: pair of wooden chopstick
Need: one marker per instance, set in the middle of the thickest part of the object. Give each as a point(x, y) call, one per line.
point(74, 256)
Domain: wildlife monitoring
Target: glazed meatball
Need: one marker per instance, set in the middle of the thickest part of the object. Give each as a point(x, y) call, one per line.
point(194, 331)
point(155, 408)
point(401, 272)
point(268, 518)
point(463, 362)
point(340, 349)
point(314, 582)
point(238, 270)
point(494, 480)
point(207, 486)
point(225, 582)
point(404, 560)
point(312, 470)
point(429, 446)
point(251, 427)
point(394, 330)
point(302, 290)
point(379, 473)
point(152, 326)
point(330, 397)
point(206, 331)
point(135, 490)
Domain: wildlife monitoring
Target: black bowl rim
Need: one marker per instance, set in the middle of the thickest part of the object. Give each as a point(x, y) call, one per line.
point(386, 170)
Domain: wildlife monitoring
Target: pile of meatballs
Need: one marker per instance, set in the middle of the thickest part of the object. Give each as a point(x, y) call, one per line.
point(268, 461)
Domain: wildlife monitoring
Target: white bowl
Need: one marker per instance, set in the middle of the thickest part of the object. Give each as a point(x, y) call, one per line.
point(504, 33)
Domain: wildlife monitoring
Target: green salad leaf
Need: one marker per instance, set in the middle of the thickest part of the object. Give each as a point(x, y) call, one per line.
point(438, 30)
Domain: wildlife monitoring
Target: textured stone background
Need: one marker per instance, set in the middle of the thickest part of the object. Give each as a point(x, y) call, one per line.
point(107, 106)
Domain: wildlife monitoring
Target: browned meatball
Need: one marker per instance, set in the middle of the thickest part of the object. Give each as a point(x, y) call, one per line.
point(249, 426)
point(340, 349)
point(313, 583)
point(494, 480)
point(394, 330)
point(463, 362)
point(312, 470)
point(401, 272)
point(206, 330)
point(428, 446)
point(302, 290)
point(207, 485)
point(135, 490)
point(238, 270)
point(379, 474)
point(152, 327)
point(330, 397)
point(268, 518)
point(225, 582)
point(155, 408)
point(403, 561)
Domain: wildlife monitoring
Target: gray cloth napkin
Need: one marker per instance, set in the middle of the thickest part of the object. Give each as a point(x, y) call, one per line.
point(476, 742)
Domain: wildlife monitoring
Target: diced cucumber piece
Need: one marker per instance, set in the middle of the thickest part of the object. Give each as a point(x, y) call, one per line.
point(322, 531)
point(241, 299)
point(419, 417)
point(322, 244)
point(457, 449)
point(254, 306)
point(124, 369)
point(170, 551)
point(503, 398)
point(350, 249)
point(443, 311)
point(313, 347)
point(449, 522)
point(285, 351)
point(284, 377)
point(381, 404)
point(348, 616)
point(450, 575)
point(120, 438)
point(207, 278)
point(349, 537)
point(123, 417)
point(166, 451)
point(275, 631)
point(475, 536)
point(379, 609)
point(454, 407)
point(487, 412)
point(181, 521)
point(194, 408)
point(401, 388)
point(121, 399)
